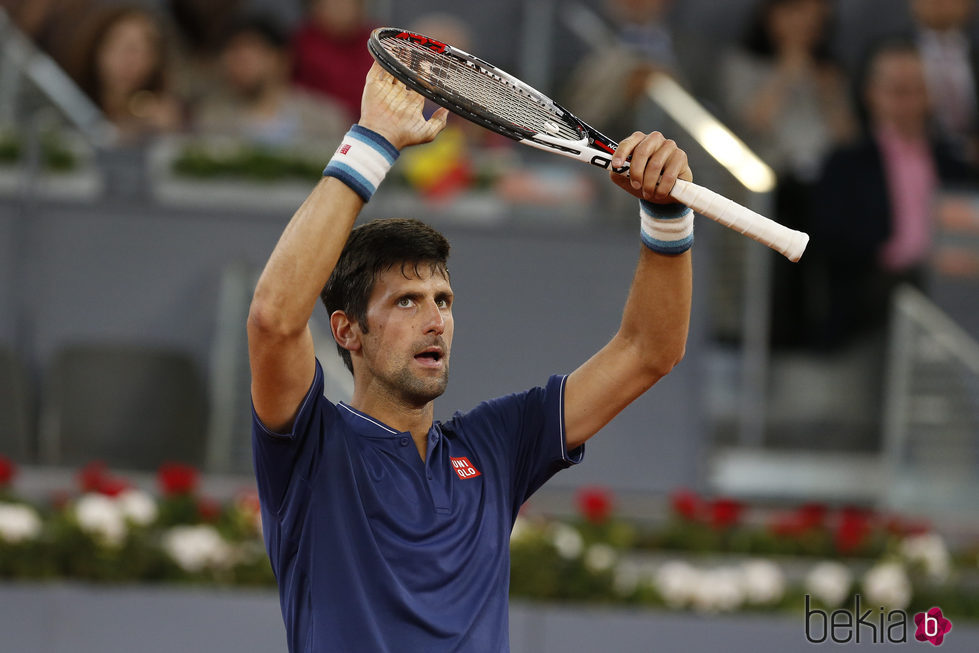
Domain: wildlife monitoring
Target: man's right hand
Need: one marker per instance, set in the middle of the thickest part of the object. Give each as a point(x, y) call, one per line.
point(389, 108)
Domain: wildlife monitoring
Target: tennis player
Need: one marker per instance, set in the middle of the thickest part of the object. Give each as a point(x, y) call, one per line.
point(389, 531)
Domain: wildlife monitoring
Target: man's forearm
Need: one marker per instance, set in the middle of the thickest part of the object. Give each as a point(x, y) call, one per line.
point(305, 256)
point(656, 317)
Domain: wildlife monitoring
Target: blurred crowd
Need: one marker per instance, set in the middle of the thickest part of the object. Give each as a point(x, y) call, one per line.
point(209, 66)
point(860, 151)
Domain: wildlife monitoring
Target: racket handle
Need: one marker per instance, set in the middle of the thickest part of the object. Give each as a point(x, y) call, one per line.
point(788, 242)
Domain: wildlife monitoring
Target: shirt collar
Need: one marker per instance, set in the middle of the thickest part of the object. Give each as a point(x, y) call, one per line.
point(371, 427)
point(365, 424)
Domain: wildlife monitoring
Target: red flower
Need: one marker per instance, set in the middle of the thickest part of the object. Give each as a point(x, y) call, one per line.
point(788, 525)
point(92, 475)
point(208, 509)
point(896, 525)
point(595, 504)
point(686, 504)
point(113, 486)
point(177, 478)
point(852, 530)
point(725, 512)
point(812, 515)
point(7, 471)
point(95, 477)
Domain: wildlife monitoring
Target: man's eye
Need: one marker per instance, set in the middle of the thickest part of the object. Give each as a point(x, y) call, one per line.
point(404, 302)
point(443, 303)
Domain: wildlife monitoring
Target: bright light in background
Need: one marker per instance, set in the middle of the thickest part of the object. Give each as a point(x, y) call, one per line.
point(726, 148)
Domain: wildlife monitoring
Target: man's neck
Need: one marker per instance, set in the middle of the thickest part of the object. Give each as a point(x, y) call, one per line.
point(399, 415)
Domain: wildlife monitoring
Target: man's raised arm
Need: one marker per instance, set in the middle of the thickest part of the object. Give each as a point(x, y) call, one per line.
point(653, 334)
point(280, 346)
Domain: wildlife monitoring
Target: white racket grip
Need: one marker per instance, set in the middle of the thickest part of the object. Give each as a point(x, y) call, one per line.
point(788, 242)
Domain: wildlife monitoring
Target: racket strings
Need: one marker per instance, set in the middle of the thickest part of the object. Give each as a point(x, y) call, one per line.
point(495, 95)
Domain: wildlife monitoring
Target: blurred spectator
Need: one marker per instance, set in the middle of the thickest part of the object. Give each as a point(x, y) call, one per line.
point(330, 51)
point(951, 63)
point(201, 27)
point(788, 100)
point(606, 88)
point(873, 207)
point(51, 24)
point(260, 105)
point(119, 60)
point(785, 92)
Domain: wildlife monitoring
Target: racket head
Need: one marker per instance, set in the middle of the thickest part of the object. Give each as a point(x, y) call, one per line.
point(472, 88)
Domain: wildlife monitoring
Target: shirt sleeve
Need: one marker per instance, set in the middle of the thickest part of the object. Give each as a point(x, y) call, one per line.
point(527, 430)
point(540, 448)
point(284, 460)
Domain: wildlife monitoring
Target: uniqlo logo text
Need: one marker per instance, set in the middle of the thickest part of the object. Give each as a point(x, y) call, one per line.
point(464, 468)
point(344, 148)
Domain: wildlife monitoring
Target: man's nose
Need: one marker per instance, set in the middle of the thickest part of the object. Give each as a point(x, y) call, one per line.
point(434, 320)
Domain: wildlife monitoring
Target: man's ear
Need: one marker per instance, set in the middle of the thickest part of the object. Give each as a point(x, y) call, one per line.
point(345, 331)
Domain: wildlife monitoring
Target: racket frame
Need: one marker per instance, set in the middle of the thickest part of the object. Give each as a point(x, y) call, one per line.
point(583, 149)
point(591, 146)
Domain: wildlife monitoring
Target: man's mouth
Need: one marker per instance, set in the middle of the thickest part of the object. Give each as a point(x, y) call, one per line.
point(430, 357)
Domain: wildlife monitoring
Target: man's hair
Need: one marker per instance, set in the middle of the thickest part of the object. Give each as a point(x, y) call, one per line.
point(371, 249)
point(263, 26)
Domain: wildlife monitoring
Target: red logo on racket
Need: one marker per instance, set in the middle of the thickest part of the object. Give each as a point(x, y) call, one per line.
point(344, 148)
point(464, 468)
point(424, 41)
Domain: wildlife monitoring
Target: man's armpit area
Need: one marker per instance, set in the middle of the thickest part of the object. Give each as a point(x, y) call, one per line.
point(296, 423)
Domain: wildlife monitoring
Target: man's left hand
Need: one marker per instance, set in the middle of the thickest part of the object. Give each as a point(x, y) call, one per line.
point(656, 164)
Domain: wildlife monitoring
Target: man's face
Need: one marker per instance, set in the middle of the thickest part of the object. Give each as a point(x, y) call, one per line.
point(405, 353)
point(897, 95)
point(251, 64)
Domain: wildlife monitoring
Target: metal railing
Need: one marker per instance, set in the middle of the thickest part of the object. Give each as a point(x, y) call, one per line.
point(758, 181)
point(20, 61)
point(931, 418)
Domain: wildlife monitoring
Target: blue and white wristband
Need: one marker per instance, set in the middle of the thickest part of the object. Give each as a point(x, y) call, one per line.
point(666, 228)
point(362, 160)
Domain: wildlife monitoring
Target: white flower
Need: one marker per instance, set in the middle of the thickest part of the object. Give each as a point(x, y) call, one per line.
point(762, 581)
point(195, 548)
point(626, 578)
point(929, 551)
point(887, 584)
point(18, 523)
point(829, 582)
point(567, 541)
point(718, 590)
point(600, 557)
point(138, 507)
point(100, 516)
point(675, 582)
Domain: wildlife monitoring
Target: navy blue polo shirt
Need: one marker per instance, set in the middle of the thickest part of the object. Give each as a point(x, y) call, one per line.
point(376, 550)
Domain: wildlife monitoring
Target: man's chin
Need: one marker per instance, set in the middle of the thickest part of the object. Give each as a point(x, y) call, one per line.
point(419, 391)
point(423, 396)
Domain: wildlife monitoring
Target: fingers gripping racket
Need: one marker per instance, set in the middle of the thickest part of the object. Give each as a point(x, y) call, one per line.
point(488, 96)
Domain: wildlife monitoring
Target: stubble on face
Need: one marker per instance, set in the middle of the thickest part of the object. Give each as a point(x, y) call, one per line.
point(395, 370)
point(419, 389)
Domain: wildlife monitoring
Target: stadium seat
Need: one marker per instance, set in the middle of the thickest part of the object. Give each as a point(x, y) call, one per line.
point(132, 407)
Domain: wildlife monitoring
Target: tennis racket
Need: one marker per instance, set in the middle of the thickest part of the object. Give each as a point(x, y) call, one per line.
point(498, 101)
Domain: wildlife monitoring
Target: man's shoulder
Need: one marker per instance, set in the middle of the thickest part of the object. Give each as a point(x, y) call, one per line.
point(506, 407)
